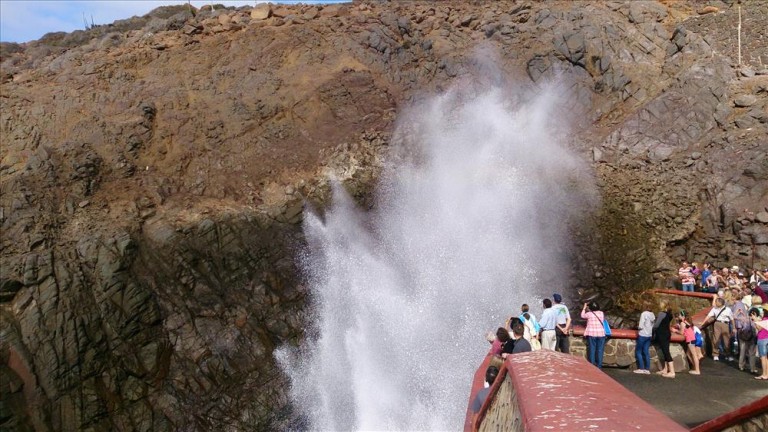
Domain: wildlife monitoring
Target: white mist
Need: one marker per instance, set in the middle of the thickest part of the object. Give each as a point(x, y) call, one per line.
point(470, 223)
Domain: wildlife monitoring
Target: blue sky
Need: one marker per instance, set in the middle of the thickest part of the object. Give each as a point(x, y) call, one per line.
point(25, 20)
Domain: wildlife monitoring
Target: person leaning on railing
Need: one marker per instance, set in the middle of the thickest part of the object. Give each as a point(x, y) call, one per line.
point(685, 327)
point(663, 336)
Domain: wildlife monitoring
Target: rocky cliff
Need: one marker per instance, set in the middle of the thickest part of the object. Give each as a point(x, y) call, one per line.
point(154, 173)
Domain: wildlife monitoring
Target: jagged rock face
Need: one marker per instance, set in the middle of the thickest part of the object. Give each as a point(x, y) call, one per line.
point(154, 172)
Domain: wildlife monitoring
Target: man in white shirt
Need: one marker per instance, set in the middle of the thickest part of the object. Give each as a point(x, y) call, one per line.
point(723, 317)
point(548, 322)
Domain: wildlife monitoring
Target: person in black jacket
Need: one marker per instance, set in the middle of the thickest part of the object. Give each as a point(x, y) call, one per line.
point(662, 337)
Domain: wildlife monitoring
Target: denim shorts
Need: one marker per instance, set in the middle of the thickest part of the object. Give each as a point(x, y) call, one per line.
point(762, 347)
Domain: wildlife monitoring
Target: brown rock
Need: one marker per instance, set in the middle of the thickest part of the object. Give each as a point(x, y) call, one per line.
point(224, 19)
point(332, 10)
point(261, 11)
point(282, 11)
point(241, 321)
point(310, 14)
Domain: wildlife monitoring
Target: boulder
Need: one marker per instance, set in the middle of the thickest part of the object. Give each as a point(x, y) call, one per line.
point(746, 100)
point(261, 11)
point(310, 14)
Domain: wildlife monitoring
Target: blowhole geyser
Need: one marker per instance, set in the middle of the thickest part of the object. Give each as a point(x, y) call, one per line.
point(470, 221)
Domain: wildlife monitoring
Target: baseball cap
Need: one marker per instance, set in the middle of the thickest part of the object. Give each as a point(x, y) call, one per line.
point(557, 297)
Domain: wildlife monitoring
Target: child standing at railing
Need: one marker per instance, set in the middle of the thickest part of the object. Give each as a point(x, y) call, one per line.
point(685, 328)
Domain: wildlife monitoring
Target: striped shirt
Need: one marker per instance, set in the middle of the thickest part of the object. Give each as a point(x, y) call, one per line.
point(686, 276)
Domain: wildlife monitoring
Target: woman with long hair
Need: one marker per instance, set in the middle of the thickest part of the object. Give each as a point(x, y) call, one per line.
point(663, 336)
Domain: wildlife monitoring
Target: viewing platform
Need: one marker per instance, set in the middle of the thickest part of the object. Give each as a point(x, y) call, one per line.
point(551, 391)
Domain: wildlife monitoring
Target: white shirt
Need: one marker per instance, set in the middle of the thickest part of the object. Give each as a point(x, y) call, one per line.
point(562, 313)
point(647, 319)
point(726, 316)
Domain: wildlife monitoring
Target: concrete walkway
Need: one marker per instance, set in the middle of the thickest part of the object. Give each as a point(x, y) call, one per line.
point(691, 400)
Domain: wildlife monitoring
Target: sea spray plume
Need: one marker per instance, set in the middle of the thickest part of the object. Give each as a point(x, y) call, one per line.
point(470, 218)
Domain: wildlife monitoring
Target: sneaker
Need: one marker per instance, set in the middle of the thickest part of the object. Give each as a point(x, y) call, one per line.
point(646, 371)
point(729, 358)
point(692, 372)
point(716, 358)
point(639, 371)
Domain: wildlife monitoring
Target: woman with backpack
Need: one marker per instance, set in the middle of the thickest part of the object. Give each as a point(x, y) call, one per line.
point(746, 335)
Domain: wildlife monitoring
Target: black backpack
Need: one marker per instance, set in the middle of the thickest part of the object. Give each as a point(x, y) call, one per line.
point(747, 333)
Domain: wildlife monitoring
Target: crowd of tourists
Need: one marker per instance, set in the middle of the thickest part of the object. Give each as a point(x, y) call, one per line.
point(551, 331)
point(524, 333)
point(738, 321)
point(706, 278)
point(736, 326)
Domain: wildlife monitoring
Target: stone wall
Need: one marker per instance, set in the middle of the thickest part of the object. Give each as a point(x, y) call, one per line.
point(755, 424)
point(621, 353)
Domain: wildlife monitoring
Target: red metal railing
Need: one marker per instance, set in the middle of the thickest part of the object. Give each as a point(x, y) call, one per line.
point(626, 334)
point(739, 415)
point(683, 293)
